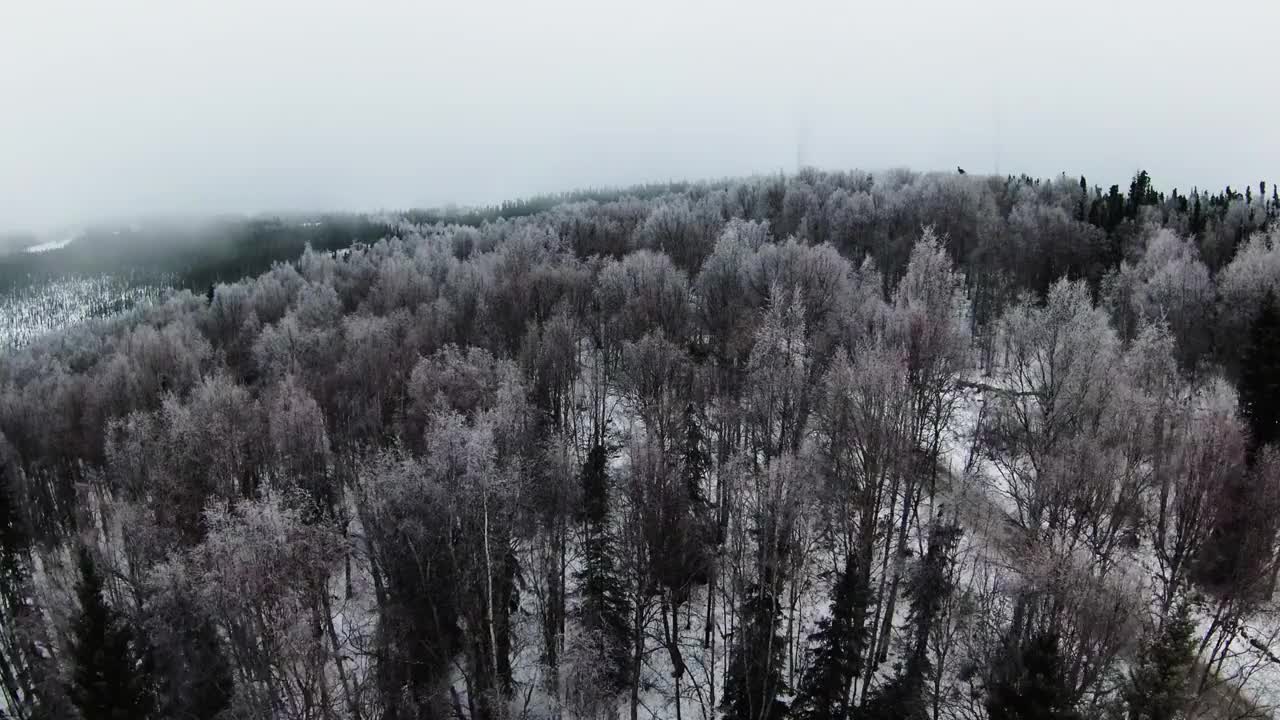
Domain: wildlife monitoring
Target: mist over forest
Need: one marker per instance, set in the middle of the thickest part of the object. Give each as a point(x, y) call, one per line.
point(827, 445)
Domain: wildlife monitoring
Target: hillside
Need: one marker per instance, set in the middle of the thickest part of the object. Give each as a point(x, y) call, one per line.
point(831, 445)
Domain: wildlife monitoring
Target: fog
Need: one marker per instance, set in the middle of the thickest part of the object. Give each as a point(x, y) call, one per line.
point(132, 106)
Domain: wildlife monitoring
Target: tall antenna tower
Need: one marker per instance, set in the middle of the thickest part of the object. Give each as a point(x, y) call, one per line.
point(802, 140)
point(995, 120)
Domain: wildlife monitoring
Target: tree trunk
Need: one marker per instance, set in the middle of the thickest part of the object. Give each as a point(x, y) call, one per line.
point(672, 633)
point(488, 609)
point(900, 558)
point(337, 654)
point(711, 591)
point(13, 695)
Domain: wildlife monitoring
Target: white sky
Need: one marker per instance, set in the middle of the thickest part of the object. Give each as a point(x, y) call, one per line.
point(113, 107)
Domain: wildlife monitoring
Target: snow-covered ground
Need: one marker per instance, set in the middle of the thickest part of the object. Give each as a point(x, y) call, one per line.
point(30, 312)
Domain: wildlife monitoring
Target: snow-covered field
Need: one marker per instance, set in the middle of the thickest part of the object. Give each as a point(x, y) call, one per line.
point(48, 245)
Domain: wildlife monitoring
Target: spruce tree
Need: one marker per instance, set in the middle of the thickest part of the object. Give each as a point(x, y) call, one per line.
point(192, 673)
point(1028, 682)
point(1158, 687)
point(754, 679)
point(109, 680)
point(928, 590)
point(212, 689)
point(1260, 376)
point(839, 643)
point(604, 608)
point(694, 469)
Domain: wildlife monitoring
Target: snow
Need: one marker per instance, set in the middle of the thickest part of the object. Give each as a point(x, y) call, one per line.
point(52, 244)
point(31, 312)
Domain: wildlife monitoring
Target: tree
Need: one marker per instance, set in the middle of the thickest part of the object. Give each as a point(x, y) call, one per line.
point(604, 609)
point(930, 325)
point(1028, 683)
point(407, 536)
point(1159, 687)
point(192, 672)
point(555, 496)
point(928, 589)
point(18, 611)
point(694, 469)
point(1204, 455)
point(261, 575)
point(754, 680)
point(840, 642)
point(109, 680)
point(1260, 376)
point(1239, 555)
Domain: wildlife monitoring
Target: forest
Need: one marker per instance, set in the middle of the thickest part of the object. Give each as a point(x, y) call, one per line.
point(822, 446)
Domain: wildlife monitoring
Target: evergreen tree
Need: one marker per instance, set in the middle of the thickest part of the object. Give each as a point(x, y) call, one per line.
point(694, 470)
point(1260, 376)
point(928, 589)
point(595, 489)
point(754, 679)
point(213, 687)
point(837, 656)
point(1028, 683)
point(109, 679)
point(192, 673)
point(1114, 211)
point(1158, 688)
point(1140, 193)
point(604, 608)
point(1197, 217)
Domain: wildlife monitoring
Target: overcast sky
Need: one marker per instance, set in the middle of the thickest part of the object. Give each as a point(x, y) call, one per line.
point(128, 106)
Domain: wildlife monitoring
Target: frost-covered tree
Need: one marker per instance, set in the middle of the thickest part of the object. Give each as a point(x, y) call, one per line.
point(781, 365)
point(1242, 286)
point(193, 675)
point(778, 376)
point(929, 328)
point(755, 683)
point(1168, 284)
point(1068, 441)
point(261, 574)
point(1206, 455)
